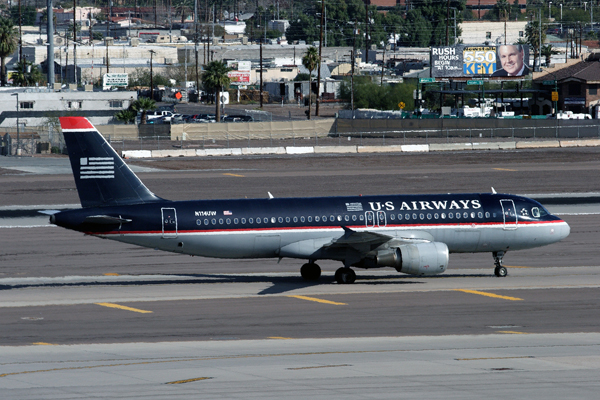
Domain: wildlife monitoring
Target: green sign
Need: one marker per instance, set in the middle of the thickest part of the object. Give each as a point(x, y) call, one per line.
point(477, 82)
point(549, 83)
point(426, 80)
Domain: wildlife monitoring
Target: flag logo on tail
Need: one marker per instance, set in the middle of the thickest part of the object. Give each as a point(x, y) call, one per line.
point(97, 167)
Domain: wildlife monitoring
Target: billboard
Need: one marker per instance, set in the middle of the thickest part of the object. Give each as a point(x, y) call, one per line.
point(239, 77)
point(115, 80)
point(239, 65)
point(463, 61)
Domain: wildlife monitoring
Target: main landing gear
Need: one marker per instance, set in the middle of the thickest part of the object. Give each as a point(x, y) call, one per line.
point(500, 271)
point(345, 275)
point(310, 271)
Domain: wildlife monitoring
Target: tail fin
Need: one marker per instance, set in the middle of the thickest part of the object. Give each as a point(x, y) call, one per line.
point(101, 176)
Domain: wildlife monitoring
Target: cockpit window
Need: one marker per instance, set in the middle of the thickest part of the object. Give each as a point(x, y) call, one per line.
point(539, 212)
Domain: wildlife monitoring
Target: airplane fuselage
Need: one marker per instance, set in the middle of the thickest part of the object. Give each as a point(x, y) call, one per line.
point(253, 228)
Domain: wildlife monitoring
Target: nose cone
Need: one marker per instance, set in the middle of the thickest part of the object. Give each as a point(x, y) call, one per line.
point(564, 230)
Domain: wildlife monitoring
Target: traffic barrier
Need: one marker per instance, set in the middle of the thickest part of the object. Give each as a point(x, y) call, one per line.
point(450, 146)
point(379, 149)
point(580, 143)
point(335, 149)
point(538, 144)
point(415, 148)
point(173, 153)
point(262, 150)
point(136, 154)
point(222, 152)
point(299, 150)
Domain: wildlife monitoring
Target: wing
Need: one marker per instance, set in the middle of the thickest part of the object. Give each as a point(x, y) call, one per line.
point(352, 245)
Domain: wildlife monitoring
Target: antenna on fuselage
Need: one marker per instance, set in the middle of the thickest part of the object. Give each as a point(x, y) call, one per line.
point(493, 190)
point(270, 195)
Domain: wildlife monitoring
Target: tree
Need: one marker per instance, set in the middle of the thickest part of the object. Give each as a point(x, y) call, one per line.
point(27, 74)
point(143, 105)
point(126, 116)
point(214, 78)
point(311, 61)
point(532, 34)
point(8, 45)
point(548, 51)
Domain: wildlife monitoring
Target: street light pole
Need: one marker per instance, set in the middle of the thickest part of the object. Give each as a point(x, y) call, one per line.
point(151, 77)
point(18, 151)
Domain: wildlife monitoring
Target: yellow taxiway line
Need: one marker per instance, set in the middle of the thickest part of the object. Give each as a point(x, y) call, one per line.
point(236, 175)
point(318, 300)
point(113, 305)
point(497, 296)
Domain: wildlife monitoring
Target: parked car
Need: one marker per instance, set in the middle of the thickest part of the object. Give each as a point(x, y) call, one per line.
point(237, 118)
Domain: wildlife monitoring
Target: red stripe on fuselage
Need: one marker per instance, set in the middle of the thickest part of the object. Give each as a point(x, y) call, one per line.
point(329, 227)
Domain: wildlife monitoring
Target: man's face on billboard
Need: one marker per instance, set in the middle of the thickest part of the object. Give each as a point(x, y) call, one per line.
point(511, 59)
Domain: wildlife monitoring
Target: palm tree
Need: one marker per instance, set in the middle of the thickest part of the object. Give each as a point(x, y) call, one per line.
point(27, 74)
point(8, 45)
point(548, 51)
point(125, 116)
point(143, 104)
point(214, 78)
point(311, 62)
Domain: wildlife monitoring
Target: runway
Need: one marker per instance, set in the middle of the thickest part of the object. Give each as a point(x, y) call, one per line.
point(83, 317)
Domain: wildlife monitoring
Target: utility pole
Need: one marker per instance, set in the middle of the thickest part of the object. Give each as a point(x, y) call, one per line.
point(367, 31)
point(196, 45)
point(261, 75)
point(448, 23)
point(320, 58)
point(20, 35)
point(50, 40)
point(75, 41)
point(107, 35)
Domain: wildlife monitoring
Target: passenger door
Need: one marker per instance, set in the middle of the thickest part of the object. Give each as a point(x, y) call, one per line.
point(169, 222)
point(509, 214)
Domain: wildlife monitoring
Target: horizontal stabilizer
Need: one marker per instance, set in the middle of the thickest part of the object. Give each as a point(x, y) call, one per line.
point(48, 212)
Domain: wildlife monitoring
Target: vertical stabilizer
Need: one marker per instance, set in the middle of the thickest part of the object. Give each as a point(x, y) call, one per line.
point(101, 176)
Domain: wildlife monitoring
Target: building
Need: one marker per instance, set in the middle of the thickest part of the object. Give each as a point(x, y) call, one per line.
point(577, 86)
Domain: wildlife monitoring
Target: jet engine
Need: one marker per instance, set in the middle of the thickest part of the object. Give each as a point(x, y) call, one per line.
point(415, 259)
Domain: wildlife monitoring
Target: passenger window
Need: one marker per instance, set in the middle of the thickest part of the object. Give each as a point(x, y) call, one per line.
point(443, 215)
point(295, 219)
point(317, 218)
point(407, 217)
point(428, 216)
point(302, 218)
point(287, 219)
point(399, 217)
point(346, 217)
point(324, 218)
point(198, 222)
point(450, 215)
point(266, 220)
point(361, 217)
point(258, 221)
point(339, 218)
point(250, 220)
point(220, 221)
point(354, 217)
point(436, 216)
point(280, 220)
point(457, 215)
point(487, 214)
point(309, 218)
point(414, 216)
point(205, 222)
point(214, 221)
point(235, 221)
point(480, 214)
point(422, 216)
point(243, 221)
point(228, 221)
point(472, 215)
point(392, 217)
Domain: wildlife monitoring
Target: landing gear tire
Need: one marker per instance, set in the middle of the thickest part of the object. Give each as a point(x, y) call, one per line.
point(345, 276)
point(310, 272)
point(500, 272)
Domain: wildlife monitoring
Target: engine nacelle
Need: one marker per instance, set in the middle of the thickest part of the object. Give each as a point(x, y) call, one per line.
point(416, 259)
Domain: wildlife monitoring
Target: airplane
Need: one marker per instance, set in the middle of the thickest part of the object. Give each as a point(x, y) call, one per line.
point(414, 234)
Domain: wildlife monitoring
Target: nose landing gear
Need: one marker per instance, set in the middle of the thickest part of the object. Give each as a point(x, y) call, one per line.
point(500, 271)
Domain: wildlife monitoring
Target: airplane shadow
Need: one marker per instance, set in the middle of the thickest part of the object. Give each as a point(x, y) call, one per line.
point(278, 284)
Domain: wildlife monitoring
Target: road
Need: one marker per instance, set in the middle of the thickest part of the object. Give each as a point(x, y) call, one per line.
point(84, 317)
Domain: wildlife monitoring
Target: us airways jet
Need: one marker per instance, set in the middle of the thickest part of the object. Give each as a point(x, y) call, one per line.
point(412, 233)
